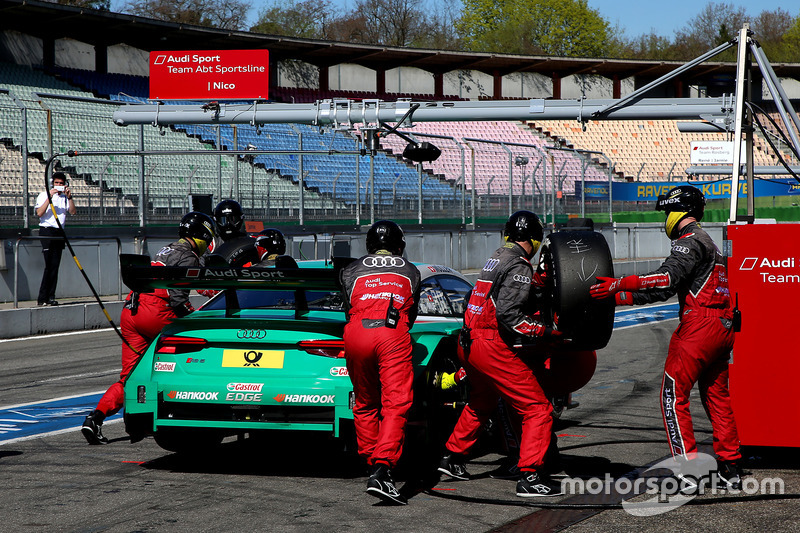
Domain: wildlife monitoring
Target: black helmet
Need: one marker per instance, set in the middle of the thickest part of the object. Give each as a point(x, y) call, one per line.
point(386, 235)
point(524, 226)
point(229, 217)
point(270, 242)
point(681, 202)
point(198, 227)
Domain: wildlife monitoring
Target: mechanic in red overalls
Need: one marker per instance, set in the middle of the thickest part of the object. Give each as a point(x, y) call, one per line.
point(497, 323)
point(700, 347)
point(381, 296)
point(144, 315)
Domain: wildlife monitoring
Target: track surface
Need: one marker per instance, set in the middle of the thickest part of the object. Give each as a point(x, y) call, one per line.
point(56, 481)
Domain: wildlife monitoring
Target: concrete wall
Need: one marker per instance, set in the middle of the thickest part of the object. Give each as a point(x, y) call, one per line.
point(636, 249)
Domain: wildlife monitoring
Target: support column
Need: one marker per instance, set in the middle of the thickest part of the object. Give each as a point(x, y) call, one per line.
point(677, 85)
point(438, 85)
point(380, 82)
point(272, 90)
point(324, 78)
point(497, 85)
point(48, 52)
point(556, 79)
point(616, 89)
point(101, 59)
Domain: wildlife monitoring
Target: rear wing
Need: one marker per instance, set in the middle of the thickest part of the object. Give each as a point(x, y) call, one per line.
point(140, 276)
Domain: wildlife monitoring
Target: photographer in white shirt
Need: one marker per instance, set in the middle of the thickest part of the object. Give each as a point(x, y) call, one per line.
point(48, 227)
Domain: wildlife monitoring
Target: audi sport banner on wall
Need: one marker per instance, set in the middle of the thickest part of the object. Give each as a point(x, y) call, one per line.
point(649, 191)
point(209, 75)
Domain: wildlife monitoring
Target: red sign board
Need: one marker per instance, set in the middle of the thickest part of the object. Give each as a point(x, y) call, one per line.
point(209, 75)
point(764, 272)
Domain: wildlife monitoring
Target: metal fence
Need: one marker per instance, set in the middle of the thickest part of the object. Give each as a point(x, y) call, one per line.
point(112, 188)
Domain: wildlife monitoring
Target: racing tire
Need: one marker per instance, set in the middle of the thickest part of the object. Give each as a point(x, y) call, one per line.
point(574, 259)
point(237, 252)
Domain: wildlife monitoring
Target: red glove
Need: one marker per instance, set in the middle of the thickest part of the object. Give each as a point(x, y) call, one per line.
point(208, 293)
point(623, 298)
point(611, 286)
point(539, 330)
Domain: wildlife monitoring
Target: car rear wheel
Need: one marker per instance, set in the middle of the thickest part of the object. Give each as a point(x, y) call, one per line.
point(573, 260)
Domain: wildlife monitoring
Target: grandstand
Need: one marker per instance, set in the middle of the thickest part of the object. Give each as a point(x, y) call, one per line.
point(642, 150)
point(526, 155)
point(68, 101)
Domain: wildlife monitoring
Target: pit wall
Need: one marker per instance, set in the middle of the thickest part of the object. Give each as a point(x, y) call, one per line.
point(636, 249)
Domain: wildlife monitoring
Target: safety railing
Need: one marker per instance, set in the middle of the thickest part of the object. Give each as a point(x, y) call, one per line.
point(37, 238)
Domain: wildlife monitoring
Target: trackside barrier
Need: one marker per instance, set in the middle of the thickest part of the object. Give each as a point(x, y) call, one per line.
point(36, 238)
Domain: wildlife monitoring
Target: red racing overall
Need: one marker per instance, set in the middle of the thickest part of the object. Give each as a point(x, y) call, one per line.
point(151, 312)
point(499, 319)
point(700, 347)
point(379, 356)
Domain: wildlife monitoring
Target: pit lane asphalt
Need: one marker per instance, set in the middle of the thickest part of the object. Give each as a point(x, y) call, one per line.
point(59, 483)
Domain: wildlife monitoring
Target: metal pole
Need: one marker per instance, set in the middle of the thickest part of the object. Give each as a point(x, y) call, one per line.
point(533, 183)
point(553, 189)
point(419, 193)
point(583, 187)
point(358, 190)
point(739, 112)
point(371, 187)
point(219, 163)
point(472, 195)
point(510, 177)
point(463, 186)
point(142, 218)
point(236, 165)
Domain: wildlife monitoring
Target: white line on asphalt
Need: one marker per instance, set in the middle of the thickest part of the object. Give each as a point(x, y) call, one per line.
point(57, 432)
point(74, 376)
point(4, 407)
point(50, 335)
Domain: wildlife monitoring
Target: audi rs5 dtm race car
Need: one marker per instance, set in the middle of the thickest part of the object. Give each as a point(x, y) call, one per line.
point(266, 353)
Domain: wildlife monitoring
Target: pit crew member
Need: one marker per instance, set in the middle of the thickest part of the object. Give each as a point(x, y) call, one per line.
point(144, 315)
point(381, 298)
point(700, 347)
point(498, 322)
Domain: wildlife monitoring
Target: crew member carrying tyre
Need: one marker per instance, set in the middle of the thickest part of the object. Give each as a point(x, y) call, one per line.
point(497, 323)
point(381, 297)
point(144, 315)
point(269, 245)
point(701, 345)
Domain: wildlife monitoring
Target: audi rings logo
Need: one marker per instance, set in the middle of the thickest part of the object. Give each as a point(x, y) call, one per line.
point(251, 334)
point(522, 279)
point(383, 261)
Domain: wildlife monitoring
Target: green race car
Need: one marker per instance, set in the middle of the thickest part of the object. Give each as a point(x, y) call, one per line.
point(266, 354)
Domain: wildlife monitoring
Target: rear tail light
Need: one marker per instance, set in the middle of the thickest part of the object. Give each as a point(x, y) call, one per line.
point(326, 347)
point(179, 345)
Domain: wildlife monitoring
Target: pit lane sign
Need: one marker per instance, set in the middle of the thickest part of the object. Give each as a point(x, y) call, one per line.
point(209, 75)
point(714, 152)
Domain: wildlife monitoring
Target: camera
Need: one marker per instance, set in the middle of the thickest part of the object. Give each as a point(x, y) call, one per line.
point(60, 188)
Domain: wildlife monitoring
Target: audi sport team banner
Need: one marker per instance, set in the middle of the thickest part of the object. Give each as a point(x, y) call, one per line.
point(209, 75)
point(649, 191)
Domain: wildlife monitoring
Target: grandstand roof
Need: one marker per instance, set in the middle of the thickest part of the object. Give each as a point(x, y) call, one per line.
point(102, 28)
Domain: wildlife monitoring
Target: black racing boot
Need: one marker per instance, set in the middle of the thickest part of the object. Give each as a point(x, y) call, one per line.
point(533, 484)
point(452, 464)
point(381, 485)
point(92, 428)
